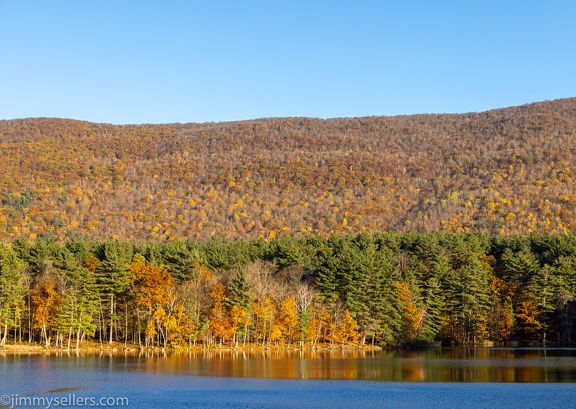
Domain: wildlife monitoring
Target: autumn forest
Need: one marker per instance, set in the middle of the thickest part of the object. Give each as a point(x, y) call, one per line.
point(384, 231)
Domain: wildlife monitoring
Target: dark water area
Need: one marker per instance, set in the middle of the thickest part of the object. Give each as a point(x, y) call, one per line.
point(459, 378)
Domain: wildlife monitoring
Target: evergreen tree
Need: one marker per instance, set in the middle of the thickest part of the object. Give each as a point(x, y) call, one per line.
point(474, 300)
point(433, 299)
point(238, 304)
point(359, 269)
point(326, 270)
point(80, 299)
point(239, 291)
point(152, 252)
point(12, 290)
point(81, 248)
point(182, 258)
point(519, 266)
point(435, 289)
point(39, 257)
point(542, 288)
point(365, 282)
point(66, 318)
point(224, 255)
point(113, 280)
point(288, 251)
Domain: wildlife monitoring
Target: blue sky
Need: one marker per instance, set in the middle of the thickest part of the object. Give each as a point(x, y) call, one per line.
point(197, 61)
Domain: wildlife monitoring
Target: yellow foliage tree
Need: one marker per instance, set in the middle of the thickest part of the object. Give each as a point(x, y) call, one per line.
point(286, 322)
point(412, 316)
point(220, 323)
point(346, 330)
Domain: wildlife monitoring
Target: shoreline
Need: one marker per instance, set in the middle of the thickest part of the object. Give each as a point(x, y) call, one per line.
point(24, 348)
point(134, 349)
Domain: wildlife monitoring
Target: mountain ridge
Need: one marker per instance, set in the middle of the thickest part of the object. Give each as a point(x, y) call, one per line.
point(526, 105)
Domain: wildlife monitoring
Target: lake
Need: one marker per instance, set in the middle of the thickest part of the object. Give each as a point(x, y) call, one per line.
point(447, 378)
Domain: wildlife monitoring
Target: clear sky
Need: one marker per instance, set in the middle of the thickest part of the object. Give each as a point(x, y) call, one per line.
point(162, 61)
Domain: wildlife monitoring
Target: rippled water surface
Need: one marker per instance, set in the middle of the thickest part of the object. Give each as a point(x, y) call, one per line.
point(459, 378)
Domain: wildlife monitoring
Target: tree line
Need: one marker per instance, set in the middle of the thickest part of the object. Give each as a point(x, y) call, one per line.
point(386, 289)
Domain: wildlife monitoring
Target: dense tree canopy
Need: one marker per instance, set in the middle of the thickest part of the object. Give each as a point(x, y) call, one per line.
point(385, 289)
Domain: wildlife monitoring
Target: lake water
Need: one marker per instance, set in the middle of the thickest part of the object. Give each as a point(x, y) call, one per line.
point(446, 378)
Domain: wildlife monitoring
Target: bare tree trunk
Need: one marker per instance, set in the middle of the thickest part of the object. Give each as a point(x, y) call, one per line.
point(5, 335)
point(125, 324)
point(111, 318)
point(139, 336)
point(30, 338)
point(46, 337)
point(78, 339)
point(101, 322)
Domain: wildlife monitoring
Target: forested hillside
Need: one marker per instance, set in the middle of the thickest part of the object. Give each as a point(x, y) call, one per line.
point(382, 230)
point(505, 171)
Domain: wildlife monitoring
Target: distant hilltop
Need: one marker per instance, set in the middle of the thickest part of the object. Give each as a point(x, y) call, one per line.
point(505, 171)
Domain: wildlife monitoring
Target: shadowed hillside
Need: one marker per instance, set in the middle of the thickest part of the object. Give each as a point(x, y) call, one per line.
point(504, 171)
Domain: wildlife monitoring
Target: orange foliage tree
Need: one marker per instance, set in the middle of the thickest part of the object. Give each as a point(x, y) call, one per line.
point(46, 300)
point(153, 288)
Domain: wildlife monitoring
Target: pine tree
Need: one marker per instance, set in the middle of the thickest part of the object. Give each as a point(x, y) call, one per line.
point(366, 285)
point(238, 303)
point(87, 305)
point(542, 290)
point(359, 271)
point(223, 255)
point(12, 290)
point(81, 296)
point(239, 291)
point(434, 295)
point(66, 318)
point(434, 306)
point(326, 272)
point(519, 266)
point(474, 296)
point(181, 259)
point(286, 252)
point(112, 279)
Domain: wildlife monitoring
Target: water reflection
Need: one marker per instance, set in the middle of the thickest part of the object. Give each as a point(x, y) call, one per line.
point(438, 365)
